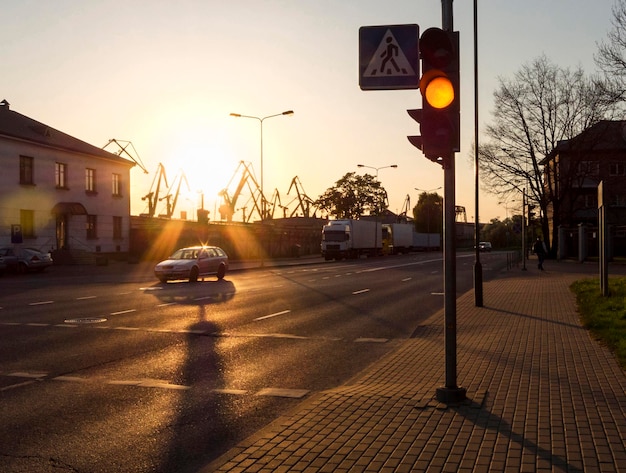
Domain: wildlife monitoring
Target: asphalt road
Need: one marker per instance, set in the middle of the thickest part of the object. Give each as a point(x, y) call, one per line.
point(117, 372)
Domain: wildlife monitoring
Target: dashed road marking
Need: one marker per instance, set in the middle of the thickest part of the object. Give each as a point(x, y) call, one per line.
point(276, 314)
point(41, 303)
point(362, 291)
point(122, 312)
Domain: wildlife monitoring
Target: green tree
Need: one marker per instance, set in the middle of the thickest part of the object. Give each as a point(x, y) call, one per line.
point(352, 196)
point(428, 213)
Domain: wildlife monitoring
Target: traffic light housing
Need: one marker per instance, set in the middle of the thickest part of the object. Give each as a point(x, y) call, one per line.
point(439, 117)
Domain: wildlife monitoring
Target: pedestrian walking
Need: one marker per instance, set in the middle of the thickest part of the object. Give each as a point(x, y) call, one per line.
point(539, 248)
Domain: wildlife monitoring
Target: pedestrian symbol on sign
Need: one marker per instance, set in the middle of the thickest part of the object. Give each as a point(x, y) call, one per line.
point(389, 60)
point(389, 57)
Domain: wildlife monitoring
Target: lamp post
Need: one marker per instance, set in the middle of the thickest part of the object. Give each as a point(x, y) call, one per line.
point(427, 214)
point(261, 119)
point(376, 169)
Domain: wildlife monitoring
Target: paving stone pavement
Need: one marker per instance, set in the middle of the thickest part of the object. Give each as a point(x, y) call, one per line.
point(542, 396)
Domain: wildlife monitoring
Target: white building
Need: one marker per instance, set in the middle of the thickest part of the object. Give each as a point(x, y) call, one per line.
point(60, 193)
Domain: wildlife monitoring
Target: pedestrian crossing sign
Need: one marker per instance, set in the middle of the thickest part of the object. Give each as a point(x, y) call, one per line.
point(389, 57)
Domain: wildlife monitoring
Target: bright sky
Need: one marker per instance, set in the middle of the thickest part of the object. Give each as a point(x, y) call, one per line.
point(166, 75)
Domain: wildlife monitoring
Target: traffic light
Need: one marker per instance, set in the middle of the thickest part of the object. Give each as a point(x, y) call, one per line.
point(439, 117)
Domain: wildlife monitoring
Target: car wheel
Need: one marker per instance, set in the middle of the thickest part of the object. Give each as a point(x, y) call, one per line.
point(221, 271)
point(193, 274)
point(163, 280)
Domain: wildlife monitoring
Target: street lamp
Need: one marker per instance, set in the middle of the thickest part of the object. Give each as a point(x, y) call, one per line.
point(261, 119)
point(376, 220)
point(376, 169)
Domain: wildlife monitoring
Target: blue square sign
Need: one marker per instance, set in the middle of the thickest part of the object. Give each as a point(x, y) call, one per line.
point(389, 57)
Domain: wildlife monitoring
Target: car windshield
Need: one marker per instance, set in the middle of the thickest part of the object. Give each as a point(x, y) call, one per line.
point(185, 253)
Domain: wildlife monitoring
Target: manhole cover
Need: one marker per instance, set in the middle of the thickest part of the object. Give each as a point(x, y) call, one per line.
point(86, 320)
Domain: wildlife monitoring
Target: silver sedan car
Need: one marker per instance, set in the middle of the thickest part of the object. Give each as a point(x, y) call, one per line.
point(193, 262)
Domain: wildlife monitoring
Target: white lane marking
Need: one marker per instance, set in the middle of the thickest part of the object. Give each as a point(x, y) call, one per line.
point(362, 291)
point(41, 303)
point(230, 391)
point(131, 329)
point(34, 324)
point(437, 293)
point(406, 279)
point(276, 314)
point(371, 340)
point(25, 374)
point(84, 298)
point(279, 392)
point(73, 379)
point(18, 385)
point(166, 304)
point(121, 312)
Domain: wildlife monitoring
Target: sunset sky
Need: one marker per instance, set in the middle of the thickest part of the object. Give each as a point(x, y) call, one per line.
point(166, 75)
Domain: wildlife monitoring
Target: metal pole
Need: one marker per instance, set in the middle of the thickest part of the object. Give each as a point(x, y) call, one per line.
point(524, 230)
point(478, 269)
point(262, 193)
point(450, 393)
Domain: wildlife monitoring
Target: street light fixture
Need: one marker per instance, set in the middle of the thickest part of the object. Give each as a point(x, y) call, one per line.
point(261, 119)
point(376, 169)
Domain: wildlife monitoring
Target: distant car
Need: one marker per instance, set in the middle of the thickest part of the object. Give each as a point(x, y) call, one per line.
point(484, 246)
point(23, 260)
point(193, 262)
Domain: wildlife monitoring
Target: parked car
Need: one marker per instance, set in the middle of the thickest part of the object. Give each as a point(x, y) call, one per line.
point(3, 265)
point(193, 262)
point(484, 246)
point(22, 260)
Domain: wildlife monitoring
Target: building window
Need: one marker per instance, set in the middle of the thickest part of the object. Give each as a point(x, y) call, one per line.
point(591, 201)
point(90, 180)
point(117, 228)
point(588, 168)
point(617, 169)
point(618, 200)
point(116, 183)
point(27, 221)
point(92, 227)
point(26, 170)
point(60, 175)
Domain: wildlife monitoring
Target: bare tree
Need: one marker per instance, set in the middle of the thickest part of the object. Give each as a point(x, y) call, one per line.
point(540, 106)
point(611, 57)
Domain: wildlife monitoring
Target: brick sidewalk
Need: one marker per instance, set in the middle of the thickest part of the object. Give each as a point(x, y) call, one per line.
point(542, 396)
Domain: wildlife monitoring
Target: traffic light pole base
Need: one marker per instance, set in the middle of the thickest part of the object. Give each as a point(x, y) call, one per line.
point(451, 395)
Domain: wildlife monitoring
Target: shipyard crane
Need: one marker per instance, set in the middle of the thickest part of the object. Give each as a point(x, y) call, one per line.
point(122, 148)
point(171, 200)
point(153, 196)
point(246, 178)
point(403, 216)
point(305, 203)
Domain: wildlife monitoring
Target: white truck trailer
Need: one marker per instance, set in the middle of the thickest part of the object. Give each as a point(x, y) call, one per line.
point(398, 237)
point(351, 238)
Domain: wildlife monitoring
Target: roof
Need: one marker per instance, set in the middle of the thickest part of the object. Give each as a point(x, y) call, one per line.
point(18, 126)
point(606, 135)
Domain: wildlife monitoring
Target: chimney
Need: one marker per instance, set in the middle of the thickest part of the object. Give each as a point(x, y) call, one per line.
point(5, 105)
